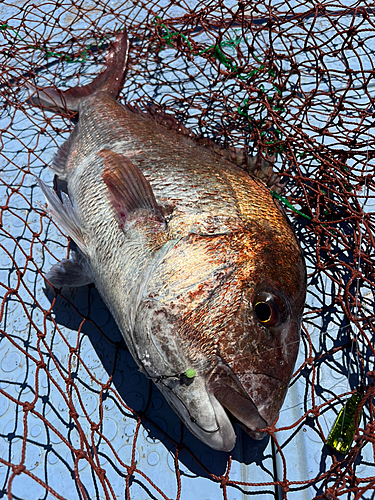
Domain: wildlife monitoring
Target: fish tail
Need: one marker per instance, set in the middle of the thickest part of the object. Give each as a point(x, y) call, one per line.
point(110, 80)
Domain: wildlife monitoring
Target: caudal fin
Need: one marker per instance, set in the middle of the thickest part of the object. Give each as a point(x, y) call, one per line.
point(110, 80)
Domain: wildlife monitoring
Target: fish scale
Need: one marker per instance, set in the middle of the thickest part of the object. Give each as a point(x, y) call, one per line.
point(195, 260)
point(167, 155)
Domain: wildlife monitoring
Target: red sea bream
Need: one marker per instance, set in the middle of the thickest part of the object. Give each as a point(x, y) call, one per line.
point(194, 258)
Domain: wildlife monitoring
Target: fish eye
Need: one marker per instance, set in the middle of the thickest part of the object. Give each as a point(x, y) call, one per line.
point(263, 311)
point(269, 309)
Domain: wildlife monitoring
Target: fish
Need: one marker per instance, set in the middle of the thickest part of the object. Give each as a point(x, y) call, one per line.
point(195, 259)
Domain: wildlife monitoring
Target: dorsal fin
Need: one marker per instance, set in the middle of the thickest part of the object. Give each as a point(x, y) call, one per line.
point(258, 166)
point(128, 187)
point(161, 117)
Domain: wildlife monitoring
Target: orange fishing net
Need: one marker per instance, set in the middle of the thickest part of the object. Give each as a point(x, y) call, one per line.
point(292, 81)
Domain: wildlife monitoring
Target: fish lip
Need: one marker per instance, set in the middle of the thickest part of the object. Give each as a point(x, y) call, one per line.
point(239, 406)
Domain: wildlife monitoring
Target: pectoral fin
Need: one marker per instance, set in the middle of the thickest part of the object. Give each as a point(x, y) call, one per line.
point(130, 192)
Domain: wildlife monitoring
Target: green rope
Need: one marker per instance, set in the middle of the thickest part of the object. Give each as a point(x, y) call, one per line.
point(242, 108)
point(286, 202)
point(48, 53)
point(215, 49)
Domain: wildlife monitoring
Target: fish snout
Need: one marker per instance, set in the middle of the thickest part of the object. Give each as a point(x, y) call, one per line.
point(254, 401)
point(233, 397)
point(267, 394)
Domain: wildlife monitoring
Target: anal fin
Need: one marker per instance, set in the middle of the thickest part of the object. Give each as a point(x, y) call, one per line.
point(72, 272)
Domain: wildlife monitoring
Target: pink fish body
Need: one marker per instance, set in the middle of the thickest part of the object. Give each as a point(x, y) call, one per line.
point(195, 260)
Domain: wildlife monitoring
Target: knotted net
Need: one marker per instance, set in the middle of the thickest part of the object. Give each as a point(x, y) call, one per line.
point(291, 81)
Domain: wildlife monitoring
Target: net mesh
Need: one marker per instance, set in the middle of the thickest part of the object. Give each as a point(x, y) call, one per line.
point(291, 81)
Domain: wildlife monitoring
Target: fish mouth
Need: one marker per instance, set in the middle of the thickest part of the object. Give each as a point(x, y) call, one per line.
point(242, 411)
point(239, 406)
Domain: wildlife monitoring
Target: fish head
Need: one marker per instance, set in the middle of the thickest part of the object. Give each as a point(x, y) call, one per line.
point(257, 356)
point(258, 348)
point(229, 307)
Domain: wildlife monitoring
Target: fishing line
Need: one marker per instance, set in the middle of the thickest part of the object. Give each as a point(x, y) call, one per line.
point(81, 58)
point(215, 51)
point(189, 374)
point(288, 204)
point(356, 306)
